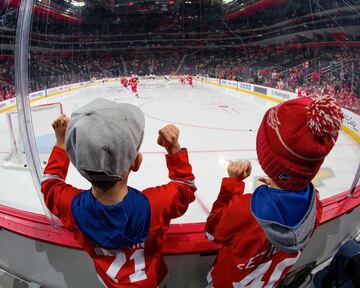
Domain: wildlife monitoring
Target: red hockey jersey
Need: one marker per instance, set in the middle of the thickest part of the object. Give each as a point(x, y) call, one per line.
point(247, 258)
point(139, 266)
point(124, 82)
point(133, 82)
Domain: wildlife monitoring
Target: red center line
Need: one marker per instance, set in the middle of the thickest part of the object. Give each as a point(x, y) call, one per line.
point(214, 151)
point(202, 205)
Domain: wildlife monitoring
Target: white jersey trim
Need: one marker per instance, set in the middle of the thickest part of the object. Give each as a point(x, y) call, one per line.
point(190, 183)
point(209, 236)
point(47, 177)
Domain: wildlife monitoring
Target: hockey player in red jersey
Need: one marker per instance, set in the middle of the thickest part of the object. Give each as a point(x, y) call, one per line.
point(189, 79)
point(182, 80)
point(122, 229)
point(263, 233)
point(133, 82)
point(124, 82)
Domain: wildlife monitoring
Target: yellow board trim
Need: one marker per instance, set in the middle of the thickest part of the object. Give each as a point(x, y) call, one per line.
point(351, 133)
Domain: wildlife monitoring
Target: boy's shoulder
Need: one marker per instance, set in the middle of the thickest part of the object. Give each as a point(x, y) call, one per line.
point(239, 210)
point(248, 229)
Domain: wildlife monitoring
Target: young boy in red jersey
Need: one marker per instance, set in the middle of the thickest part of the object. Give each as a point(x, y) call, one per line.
point(262, 234)
point(122, 229)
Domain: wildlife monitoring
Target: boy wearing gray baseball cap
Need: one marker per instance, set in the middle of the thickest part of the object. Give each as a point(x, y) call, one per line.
point(121, 228)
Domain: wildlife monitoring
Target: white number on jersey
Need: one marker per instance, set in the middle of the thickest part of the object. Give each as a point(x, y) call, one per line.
point(139, 260)
point(254, 279)
point(120, 260)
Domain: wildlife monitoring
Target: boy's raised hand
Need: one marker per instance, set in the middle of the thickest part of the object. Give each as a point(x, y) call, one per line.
point(169, 138)
point(60, 125)
point(239, 170)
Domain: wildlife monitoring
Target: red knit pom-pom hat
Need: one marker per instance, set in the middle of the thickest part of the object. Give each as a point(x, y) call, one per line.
point(294, 137)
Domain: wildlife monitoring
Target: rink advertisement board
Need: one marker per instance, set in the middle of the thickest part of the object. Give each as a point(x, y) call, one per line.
point(261, 90)
point(273, 93)
point(245, 86)
point(352, 121)
point(52, 90)
point(37, 94)
point(285, 95)
point(229, 83)
point(215, 80)
point(7, 103)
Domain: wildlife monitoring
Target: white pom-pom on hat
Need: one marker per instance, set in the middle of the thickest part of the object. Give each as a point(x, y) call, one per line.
point(324, 118)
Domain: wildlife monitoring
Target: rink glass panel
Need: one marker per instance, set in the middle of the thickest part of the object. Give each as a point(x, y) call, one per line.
point(81, 41)
point(17, 187)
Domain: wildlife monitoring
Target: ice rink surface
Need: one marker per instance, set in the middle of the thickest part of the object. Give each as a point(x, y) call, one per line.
point(215, 126)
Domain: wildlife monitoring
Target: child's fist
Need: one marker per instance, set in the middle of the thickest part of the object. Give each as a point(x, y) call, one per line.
point(239, 170)
point(60, 125)
point(168, 138)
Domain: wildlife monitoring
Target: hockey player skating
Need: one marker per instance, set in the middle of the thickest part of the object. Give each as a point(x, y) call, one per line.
point(113, 221)
point(124, 82)
point(133, 82)
point(189, 79)
point(262, 234)
point(182, 80)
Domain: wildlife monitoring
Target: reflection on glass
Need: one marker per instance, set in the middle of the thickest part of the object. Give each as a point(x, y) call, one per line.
point(306, 47)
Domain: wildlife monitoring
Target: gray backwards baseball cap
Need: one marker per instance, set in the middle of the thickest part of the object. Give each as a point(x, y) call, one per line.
point(103, 139)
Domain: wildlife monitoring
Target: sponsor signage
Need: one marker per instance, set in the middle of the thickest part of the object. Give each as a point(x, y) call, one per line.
point(351, 120)
point(51, 90)
point(244, 86)
point(260, 90)
point(3, 105)
point(7, 103)
point(232, 83)
point(62, 88)
point(74, 85)
point(228, 82)
point(36, 94)
point(280, 94)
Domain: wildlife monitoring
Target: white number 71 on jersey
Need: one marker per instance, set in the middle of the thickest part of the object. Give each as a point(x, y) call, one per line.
point(120, 260)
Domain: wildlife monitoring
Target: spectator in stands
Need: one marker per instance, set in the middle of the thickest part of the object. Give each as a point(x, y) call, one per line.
point(315, 77)
point(280, 84)
point(50, 71)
